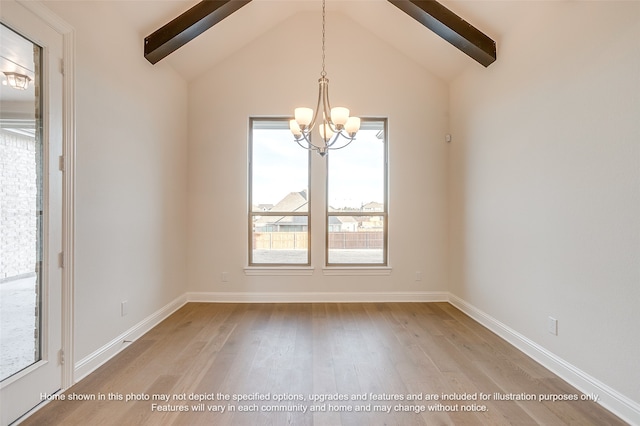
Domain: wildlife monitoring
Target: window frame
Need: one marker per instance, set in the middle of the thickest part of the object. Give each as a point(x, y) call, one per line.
point(385, 213)
point(251, 214)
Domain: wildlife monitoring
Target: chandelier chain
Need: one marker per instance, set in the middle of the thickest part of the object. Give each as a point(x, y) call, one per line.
point(323, 73)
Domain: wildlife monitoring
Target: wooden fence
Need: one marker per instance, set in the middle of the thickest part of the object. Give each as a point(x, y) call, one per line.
point(299, 240)
point(356, 240)
point(280, 240)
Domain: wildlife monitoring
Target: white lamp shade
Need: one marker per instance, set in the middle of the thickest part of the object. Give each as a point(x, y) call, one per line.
point(303, 116)
point(325, 131)
point(339, 115)
point(353, 125)
point(295, 129)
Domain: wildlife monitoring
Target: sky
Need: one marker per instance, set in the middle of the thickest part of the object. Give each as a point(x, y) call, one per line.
point(280, 166)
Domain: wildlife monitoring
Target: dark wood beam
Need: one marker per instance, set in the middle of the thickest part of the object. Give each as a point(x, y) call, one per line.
point(188, 26)
point(450, 27)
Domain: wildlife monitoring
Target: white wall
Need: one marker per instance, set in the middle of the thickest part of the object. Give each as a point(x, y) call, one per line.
point(270, 77)
point(545, 185)
point(130, 179)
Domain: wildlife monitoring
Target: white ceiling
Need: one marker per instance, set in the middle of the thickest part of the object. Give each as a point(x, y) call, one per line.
point(493, 17)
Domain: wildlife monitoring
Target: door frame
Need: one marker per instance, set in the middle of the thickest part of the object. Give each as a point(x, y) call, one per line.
point(68, 182)
point(68, 167)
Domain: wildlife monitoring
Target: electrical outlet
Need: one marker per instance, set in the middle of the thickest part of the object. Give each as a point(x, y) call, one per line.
point(552, 326)
point(225, 277)
point(124, 308)
point(418, 276)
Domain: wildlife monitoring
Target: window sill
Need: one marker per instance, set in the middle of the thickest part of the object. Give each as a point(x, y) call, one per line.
point(278, 270)
point(309, 270)
point(356, 270)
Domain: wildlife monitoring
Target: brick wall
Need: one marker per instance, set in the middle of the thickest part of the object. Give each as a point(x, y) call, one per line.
point(19, 202)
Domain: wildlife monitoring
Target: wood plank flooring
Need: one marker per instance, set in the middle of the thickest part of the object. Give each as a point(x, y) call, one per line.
point(350, 363)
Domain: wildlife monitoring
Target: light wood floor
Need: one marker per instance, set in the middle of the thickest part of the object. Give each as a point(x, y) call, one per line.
point(284, 351)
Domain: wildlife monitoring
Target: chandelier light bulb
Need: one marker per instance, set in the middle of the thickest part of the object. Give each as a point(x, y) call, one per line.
point(325, 132)
point(352, 126)
point(303, 116)
point(295, 128)
point(339, 116)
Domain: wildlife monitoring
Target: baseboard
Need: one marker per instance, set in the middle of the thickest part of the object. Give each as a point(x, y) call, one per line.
point(90, 363)
point(620, 405)
point(318, 297)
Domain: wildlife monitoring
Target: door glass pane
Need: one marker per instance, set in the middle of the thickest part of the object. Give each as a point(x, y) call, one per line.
point(21, 203)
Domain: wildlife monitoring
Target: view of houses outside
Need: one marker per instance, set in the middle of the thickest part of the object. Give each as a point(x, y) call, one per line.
point(356, 189)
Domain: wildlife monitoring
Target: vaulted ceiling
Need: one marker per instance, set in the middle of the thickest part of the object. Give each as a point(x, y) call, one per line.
point(380, 17)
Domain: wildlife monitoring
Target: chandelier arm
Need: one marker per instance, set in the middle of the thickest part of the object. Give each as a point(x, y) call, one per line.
point(343, 146)
point(337, 136)
point(326, 106)
point(315, 114)
point(334, 139)
point(327, 110)
point(332, 126)
point(310, 146)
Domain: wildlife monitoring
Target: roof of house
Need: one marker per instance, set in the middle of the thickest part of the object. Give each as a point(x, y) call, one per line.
point(292, 202)
point(335, 220)
point(373, 206)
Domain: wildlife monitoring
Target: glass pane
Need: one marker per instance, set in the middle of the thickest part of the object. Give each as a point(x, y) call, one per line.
point(20, 203)
point(356, 240)
point(279, 169)
point(280, 240)
point(356, 173)
point(356, 183)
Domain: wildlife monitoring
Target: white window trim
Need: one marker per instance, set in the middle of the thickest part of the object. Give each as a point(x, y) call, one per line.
point(356, 270)
point(279, 271)
point(353, 271)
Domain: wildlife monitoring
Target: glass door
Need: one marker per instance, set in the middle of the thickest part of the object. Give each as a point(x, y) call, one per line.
point(30, 211)
point(21, 207)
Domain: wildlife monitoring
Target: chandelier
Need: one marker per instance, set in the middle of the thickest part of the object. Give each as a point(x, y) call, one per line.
point(335, 123)
point(17, 81)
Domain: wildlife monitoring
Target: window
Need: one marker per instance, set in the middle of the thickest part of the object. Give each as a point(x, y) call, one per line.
point(279, 199)
point(279, 214)
point(357, 199)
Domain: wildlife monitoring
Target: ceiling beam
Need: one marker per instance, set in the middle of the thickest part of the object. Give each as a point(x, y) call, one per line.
point(450, 27)
point(188, 26)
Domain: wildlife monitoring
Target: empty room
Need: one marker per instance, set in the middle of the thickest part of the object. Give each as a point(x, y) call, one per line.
point(310, 212)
